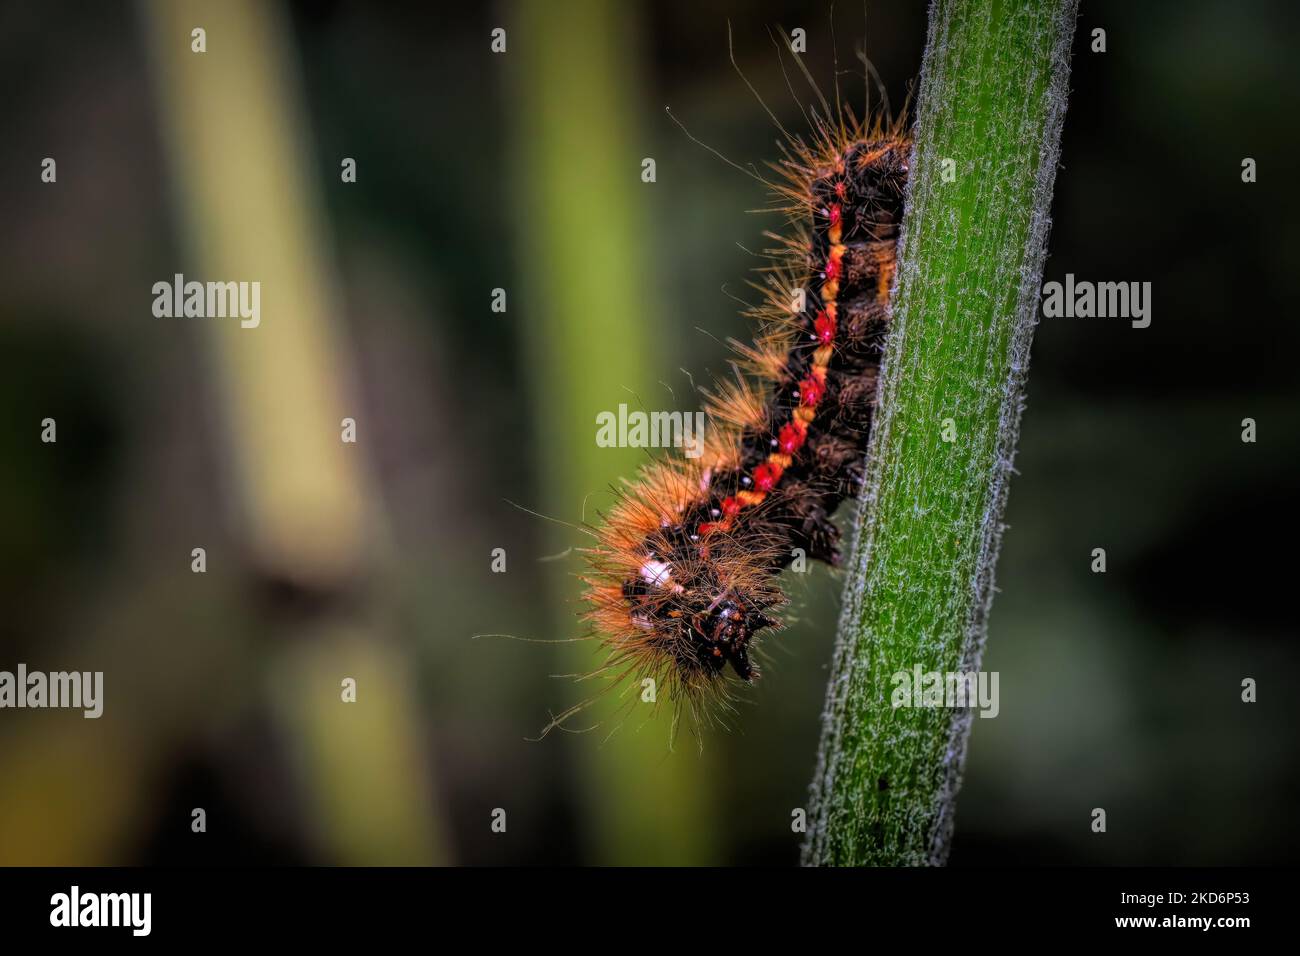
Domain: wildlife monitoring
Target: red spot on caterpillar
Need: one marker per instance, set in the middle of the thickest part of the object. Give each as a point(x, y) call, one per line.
point(791, 438)
point(766, 476)
point(811, 392)
point(824, 328)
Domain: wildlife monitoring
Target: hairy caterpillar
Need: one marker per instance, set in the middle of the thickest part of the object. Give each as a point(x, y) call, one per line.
point(683, 577)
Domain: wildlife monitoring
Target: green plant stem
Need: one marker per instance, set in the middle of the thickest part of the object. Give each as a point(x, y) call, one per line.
point(989, 113)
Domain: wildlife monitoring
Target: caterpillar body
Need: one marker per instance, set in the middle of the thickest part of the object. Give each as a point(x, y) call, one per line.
point(683, 577)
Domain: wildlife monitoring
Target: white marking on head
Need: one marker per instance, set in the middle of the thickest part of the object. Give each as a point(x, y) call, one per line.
point(658, 574)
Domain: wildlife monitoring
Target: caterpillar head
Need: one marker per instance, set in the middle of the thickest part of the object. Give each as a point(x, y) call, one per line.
point(724, 631)
point(701, 605)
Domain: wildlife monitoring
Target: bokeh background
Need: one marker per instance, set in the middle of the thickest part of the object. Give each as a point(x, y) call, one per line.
point(521, 171)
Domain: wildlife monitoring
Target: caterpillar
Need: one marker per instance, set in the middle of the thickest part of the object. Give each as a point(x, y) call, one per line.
point(682, 579)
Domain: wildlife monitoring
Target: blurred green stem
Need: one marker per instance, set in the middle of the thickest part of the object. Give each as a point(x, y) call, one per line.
point(588, 324)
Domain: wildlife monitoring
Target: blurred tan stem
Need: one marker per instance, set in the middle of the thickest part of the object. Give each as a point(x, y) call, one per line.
point(245, 179)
